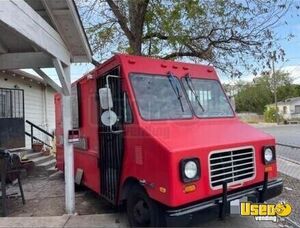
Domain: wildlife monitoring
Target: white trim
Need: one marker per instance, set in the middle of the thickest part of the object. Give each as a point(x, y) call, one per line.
point(34, 28)
point(52, 17)
point(64, 79)
point(48, 80)
point(12, 61)
point(241, 182)
point(80, 30)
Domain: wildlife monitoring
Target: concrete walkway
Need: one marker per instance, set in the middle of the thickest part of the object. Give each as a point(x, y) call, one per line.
point(98, 220)
point(289, 167)
point(120, 220)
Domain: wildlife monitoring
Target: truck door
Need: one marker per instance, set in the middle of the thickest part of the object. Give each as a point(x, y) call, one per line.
point(111, 137)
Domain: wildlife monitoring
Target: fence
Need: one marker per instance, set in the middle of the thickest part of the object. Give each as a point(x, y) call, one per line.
point(288, 152)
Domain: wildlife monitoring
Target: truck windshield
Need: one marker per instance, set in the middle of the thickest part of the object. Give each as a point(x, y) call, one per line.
point(211, 97)
point(157, 99)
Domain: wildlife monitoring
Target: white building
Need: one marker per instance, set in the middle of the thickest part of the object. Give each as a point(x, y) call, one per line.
point(290, 108)
point(38, 100)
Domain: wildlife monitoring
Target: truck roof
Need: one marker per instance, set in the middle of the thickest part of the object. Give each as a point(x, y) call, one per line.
point(151, 65)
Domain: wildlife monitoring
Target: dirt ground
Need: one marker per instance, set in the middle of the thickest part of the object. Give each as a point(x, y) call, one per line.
point(45, 197)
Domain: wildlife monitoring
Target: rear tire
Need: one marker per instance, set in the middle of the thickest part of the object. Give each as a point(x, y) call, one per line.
point(142, 211)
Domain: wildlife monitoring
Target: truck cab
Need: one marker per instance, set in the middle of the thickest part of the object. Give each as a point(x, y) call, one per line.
point(162, 137)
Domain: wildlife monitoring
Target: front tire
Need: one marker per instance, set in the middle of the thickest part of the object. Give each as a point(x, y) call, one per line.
point(142, 211)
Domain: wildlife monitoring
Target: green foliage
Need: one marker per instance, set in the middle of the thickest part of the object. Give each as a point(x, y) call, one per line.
point(253, 97)
point(231, 35)
point(270, 115)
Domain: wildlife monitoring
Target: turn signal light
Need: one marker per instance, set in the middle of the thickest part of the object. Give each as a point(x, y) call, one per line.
point(268, 168)
point(189, 188)
point(162, 190)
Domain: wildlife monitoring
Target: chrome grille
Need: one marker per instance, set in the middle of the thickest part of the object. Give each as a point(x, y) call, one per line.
point(232, 166)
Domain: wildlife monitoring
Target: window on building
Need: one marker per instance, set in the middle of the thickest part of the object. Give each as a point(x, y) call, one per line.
point(297, 109)
point(5, 104)
point(284, 109)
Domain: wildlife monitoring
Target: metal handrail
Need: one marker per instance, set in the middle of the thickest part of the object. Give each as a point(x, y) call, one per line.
point(32, 125)
point(40, 129)
point(37, 139)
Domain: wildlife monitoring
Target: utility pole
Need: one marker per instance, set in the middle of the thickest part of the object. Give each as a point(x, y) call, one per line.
point(273, 58)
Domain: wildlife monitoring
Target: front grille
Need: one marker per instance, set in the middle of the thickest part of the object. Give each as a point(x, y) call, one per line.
point(231, 166)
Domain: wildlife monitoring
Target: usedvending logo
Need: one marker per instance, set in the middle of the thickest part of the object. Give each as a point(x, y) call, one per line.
point(265, 211)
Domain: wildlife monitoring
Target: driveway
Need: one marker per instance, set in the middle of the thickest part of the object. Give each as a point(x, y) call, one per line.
point(286, 134)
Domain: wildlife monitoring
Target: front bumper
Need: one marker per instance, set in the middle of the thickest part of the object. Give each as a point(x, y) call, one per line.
point(262, 192)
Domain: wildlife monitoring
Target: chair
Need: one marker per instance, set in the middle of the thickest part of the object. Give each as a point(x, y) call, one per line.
point(10, 168)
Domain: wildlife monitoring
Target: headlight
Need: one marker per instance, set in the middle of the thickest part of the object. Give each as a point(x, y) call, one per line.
point(269, 154)
point(190, 169)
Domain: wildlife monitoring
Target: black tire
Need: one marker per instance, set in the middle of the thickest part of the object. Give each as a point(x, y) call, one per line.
point(142, 211)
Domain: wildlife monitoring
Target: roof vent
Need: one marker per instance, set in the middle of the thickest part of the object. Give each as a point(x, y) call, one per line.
point(131, 61)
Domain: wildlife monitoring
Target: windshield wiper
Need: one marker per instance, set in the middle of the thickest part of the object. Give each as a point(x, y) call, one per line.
point(174, 84)
point(190, 84)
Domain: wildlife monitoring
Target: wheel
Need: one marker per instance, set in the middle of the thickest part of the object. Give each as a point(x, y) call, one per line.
point(143, 211)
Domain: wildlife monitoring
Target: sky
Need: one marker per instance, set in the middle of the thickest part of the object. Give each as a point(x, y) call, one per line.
point(291, 47)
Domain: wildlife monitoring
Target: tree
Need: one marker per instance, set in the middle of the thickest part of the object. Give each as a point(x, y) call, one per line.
point(270, 115)
point(253, 97)
point(225, 33)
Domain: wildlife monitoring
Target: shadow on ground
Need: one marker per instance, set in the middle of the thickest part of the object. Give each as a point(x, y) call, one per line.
point(45, 197)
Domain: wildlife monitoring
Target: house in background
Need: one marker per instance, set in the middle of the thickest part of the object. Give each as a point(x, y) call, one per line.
point(25, 96)
point(289, 109)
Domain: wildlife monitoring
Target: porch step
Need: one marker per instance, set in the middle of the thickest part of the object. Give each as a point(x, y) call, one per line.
point(20, 152)
point(33, 155)
point(43, 164)
point(41, 159)
point(51, 171)
point(46, 165)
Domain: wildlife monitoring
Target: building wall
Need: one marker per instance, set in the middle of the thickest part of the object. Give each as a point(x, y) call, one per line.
point(293, 104)
point(290, 109)
point(39, 102)
point(287, 113)
point(295, 115)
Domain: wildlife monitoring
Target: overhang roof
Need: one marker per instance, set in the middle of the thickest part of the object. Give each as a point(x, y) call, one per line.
point(25, 76)
point(63, 17)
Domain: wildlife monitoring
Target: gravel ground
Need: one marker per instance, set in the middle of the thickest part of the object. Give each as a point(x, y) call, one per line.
point(290, 194)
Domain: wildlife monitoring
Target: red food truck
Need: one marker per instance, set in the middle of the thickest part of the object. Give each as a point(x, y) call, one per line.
point(162, 137)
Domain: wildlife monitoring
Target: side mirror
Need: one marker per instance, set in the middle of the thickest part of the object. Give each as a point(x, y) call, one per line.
point(105, 96)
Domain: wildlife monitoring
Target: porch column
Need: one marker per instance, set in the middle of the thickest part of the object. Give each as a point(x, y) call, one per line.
point(68, 156)
point(64, 75)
